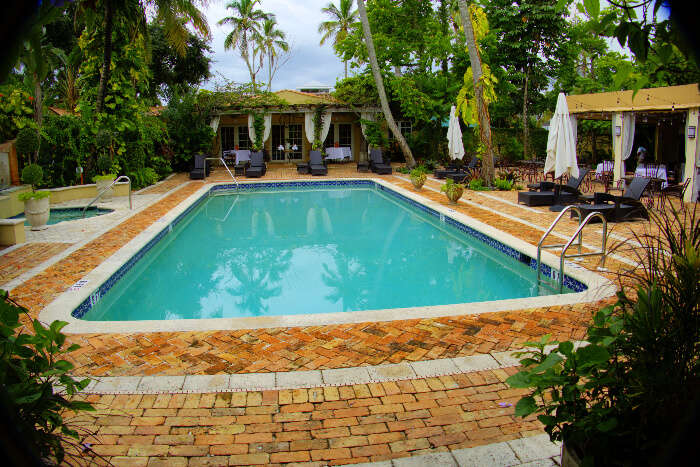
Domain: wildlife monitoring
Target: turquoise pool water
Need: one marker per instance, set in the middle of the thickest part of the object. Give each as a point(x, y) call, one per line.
point(57, 215)
point(309, 251)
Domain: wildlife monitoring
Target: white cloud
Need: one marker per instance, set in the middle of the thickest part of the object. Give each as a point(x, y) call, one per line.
point(311, 63)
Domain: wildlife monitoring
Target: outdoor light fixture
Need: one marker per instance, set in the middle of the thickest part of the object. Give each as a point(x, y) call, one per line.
point(691, 132)
point(618, 130)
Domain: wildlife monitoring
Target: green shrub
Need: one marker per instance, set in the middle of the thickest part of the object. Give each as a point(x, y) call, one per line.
point(502, 184)
point(631, 395)
point(99, 178)
point(35, 382)
point(32, 174)
point(404, 170)
point(27, 142)
point(477, 184)
point(26, 196)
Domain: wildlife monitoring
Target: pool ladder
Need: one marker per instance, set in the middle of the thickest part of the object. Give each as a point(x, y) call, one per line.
point(104, 190)
point(225, 165)
point(579, 233)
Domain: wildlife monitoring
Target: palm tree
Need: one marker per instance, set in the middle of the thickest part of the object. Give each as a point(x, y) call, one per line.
point(246, 22)
point(482, 108)
point(175, 15)
point(342, 21)
point(271, 40)
point(380, 86)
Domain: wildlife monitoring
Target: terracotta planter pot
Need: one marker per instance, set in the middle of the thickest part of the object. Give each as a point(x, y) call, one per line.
point(103, 184)
point(454, 194)
point(418, 182)
point(37, 212)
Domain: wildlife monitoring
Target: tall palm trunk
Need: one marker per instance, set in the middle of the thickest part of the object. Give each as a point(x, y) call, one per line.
point(380, 86)
point(484, 119)
point(269, 70)
point(246, 58)
point(106, 57)
point(526, 127)
point(38, 111)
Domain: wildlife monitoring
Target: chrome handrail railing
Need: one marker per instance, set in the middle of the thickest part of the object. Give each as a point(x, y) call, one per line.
point(104, 190)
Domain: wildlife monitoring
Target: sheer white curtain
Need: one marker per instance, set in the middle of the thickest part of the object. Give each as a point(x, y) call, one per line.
point(309, 125)
point(267, 119)
point(627, 134)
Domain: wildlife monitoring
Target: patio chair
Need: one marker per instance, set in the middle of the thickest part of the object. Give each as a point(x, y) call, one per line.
point(201, 168)
point(464, 173)
point(316, 164)
point(673, 191)
point(257, 168)
point(377, 164)
point(618, 208)
point(548, 193)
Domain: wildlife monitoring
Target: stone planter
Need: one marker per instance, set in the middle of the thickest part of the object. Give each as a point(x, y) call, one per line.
point(569, 458)
point(454, 194)
point(104, 184)
point(36, 211)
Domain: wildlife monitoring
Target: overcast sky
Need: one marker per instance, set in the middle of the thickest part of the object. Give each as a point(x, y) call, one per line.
point(311, 64)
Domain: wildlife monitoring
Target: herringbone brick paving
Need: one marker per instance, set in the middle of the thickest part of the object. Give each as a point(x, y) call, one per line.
point(26, 257)
point(319, 426)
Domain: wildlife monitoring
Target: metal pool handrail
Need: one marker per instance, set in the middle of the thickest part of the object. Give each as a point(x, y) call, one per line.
point(104, 190)
point(541, 246)
point(225, 165)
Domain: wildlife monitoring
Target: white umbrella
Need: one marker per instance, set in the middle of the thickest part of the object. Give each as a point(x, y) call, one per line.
point(561, 142)
point(454, 136)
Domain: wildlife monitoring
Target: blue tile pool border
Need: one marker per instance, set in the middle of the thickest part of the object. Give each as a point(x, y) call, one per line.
point(93, 298)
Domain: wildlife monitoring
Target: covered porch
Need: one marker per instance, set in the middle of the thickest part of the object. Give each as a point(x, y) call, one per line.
point(289, 129)
point(671, 111)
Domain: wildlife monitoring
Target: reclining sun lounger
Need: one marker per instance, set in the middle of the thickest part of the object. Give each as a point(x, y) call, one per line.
point(618, 208)
point(377, 164)
point(257, 165)
point(316, 165)
point(548, 193)
point(201, 168)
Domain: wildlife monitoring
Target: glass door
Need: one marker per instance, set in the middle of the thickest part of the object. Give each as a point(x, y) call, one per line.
point(294, 137)
point(277, 140)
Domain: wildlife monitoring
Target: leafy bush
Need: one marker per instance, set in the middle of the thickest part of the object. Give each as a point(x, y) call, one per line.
point(143, 178)
point(451, 189)
point(403, 170)
point(26, 196)
point(419, 176)
point(430, 164)
point(34, 380)
point(629, 397)
point(99, 178)
point(502, 184)
point(27, 142)
point(15, 111)
point(477, 184)
point(32, 174)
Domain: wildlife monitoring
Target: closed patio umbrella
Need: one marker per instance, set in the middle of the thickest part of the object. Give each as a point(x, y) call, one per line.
point(561, 144)
point(455, 146)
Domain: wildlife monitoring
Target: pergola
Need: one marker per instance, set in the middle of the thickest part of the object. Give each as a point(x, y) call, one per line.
point(624, 107)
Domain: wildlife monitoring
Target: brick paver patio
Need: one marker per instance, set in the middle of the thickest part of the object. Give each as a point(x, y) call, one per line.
point(323, 425)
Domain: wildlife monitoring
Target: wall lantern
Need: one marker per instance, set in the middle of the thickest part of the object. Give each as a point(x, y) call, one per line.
point(691, 132)
point(618, 130)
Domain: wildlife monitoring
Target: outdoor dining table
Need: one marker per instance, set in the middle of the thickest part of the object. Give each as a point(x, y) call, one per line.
point(338, 153)
point(605, 166)
point(654, 172)
point(242, 155)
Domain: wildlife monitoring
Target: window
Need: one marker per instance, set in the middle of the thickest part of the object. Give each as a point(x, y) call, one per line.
point(405, 127)
point(330, 139)
point(294, 137)
point(345, 135)
point(243, 139)
point(228, 138)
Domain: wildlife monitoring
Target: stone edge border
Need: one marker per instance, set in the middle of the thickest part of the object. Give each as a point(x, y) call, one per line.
point(65, 303)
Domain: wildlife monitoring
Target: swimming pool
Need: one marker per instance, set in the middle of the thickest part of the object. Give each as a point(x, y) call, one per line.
point(57, 215)
point(285, 252)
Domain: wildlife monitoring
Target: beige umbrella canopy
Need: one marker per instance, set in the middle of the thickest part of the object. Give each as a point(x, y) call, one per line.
point(455, 146)
point(561, 142)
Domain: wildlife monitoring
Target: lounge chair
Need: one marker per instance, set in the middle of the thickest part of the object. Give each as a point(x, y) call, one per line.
point(549, 193)
point(257, 165)
point(618, 208)
point(377, 164)
point(463, 173)
point(201, 168)
point(316, 165)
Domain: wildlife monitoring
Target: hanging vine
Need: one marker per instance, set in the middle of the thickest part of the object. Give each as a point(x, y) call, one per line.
point(318, 122)
point(259, 129)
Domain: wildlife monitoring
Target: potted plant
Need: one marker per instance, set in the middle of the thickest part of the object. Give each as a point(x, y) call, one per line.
point(452, 190)
point(418, 177)
point(36, 203)
point(631, 394)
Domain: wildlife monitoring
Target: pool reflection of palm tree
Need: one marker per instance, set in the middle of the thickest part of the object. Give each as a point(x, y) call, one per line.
point(252, 277)
point(348, 281)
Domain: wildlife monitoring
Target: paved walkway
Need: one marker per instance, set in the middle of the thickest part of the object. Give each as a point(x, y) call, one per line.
point(447, 415)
